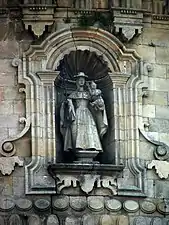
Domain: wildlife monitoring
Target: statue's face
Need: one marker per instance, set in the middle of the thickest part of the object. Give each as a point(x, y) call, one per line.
point(81, 81)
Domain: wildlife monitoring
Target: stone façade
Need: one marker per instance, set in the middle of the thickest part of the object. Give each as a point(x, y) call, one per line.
point(31, 49)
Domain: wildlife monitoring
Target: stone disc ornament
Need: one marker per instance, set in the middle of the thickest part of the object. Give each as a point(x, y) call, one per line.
point(163, 208)
point(148, 207)
point(24, 204)
point(42, 204)
point(96, 203)
point(78, 203)
point(6, 204)
point(113, 205)
point(131, 206)
point(61, 203)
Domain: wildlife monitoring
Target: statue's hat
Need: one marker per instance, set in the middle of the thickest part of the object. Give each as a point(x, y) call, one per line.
point(81, 74)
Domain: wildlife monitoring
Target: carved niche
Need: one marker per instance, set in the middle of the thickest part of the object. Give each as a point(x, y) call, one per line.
point(39, 70)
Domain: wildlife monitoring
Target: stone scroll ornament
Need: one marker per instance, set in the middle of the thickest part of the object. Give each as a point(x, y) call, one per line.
point(161, 154)
point(86, 182)
point(82, 132)
point(8, 150)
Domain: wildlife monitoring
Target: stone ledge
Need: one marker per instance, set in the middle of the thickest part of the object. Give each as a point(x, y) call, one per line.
point(81, 168)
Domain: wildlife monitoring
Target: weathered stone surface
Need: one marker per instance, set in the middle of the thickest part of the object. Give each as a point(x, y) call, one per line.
point(7, 164)
point(161, 189)
point(52, 220)
point(122, 220)
point(131, 206)
point(23, 204)
point(2, 222)
point(42, 204)
point(156, 221)
point(140, 221)
point(88, 220)
point(72, 221)
point(6, 204)
point(106, 220)
point(158, 125)
point(161, 167)
point(61, 203)
point(162, 55)
point(15, 220)
point(148, 207)
point(78, 203)
point(163, 207)
point(34, 220)
point(113, 205)
point(96, 203)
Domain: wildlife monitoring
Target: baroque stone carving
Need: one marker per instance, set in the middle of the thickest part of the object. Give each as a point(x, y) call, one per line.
point(81, 131)
point(161, 153)
point(7, 164)
point(8, 148)
point(86, 182)
point(39, 80)
point(161, 167)
point(129, 21)
point(37, 17)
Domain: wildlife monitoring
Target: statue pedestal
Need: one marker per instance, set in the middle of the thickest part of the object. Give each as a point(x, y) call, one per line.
point(85, 178)
point(86, 156)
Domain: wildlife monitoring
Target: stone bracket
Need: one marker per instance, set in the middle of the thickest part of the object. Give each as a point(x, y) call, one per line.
point(87, 177)
point(38, 17)
point(161, 151)
point(8, 148)
point(161, 167)
point(128, 22)
point(7, 164)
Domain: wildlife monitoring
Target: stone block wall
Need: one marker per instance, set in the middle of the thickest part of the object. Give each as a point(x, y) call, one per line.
point(153, 46)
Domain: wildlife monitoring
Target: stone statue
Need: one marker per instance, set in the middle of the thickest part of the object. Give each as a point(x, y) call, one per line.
point(83, 120)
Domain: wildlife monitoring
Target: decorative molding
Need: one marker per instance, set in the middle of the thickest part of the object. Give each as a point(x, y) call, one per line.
point(79, 205)
point(8, 148)
point(161, 150)
point(38, 17)
point(125, 67)
point(161, 167)
point(85, 176)
point(7, 164)
point(128, 21)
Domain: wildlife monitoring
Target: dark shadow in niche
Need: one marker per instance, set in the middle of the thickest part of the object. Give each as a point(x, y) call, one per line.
point(97, 70)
